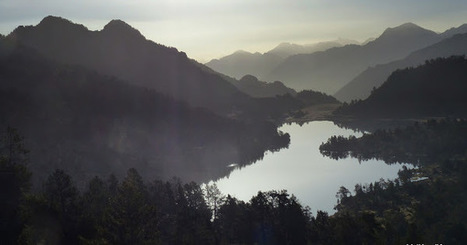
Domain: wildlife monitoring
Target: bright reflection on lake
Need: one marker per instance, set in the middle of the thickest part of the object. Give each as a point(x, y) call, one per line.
point(304, 172)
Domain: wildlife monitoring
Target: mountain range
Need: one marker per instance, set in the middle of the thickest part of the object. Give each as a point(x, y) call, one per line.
point(100, 102)
point(434, 89)
point(243, 63)
point(361, 86)
point(121, 51)
point(331, 69)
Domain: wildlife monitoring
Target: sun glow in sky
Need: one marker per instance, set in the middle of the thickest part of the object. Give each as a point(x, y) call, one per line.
point(207, 29)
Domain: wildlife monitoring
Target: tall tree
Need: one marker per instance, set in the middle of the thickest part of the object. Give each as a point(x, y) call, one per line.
point(14, 183)
point(130, 218)
point(214, 198)
point(62, 198)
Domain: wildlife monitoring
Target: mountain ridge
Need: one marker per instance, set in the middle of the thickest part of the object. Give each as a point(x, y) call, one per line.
point(241, 63)
point(434, 89)
point(129, 56)
point(91, 125)
point(360, 87)
point(329, 70)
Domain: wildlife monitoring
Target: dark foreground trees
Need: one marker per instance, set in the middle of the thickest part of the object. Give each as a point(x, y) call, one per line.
point(132, 212)
point(424, 205)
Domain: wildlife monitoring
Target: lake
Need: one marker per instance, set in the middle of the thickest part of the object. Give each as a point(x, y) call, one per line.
point(304, 172)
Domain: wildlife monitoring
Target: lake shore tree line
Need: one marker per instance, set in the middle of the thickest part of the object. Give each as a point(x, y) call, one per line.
point(425, 204)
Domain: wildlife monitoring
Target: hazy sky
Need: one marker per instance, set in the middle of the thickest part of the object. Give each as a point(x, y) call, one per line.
point(207, 29)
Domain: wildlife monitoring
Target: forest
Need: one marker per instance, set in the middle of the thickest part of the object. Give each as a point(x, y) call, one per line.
point(434, 89)
point(424, 205)
point(90, 124)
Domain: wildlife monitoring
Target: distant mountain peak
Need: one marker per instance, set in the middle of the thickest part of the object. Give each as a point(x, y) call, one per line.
point(405, 31)
point(121, 27)
point(53, 22)
point(249, 78)
point(50, 20)
point(406, 28)
point(241, 52)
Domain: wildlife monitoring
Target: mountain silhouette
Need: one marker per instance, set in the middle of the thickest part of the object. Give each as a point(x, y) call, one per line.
point(285, 50)
point(242, 63)
point(90, 124)
point(252, 86)
point(360, 87)
point(329, 70)
point(121, 51)
point(434, 89)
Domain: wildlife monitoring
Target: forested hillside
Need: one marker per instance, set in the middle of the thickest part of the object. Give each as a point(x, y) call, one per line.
point(433, 89)
point(360, 87)
point(89, 124)
point(121, 51)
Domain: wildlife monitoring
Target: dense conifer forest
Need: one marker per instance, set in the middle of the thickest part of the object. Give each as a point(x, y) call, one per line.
point(434, 89)
point(426, 204)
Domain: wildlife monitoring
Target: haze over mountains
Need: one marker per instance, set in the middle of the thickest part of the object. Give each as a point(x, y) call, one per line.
point(168, 112)
point(243, 63)
point(121, 51)
point(100, 102)
point(330, 70)
point(360, 87)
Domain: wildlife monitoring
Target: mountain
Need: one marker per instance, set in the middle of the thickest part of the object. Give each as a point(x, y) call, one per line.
point(242, 63)
point(329, 70)
point(285, 50)
point(121, 51)
point(252, 86)
point(454, 31)
point(360, 87)
point(434, 89)
point(90, 124)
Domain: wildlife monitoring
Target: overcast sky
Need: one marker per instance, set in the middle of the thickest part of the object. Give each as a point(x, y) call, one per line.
point(207, 29)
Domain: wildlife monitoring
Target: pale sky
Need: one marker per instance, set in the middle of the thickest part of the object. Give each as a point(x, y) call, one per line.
point(207, 29)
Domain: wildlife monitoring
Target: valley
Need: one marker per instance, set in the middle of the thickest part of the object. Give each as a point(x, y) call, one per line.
point(108, 137)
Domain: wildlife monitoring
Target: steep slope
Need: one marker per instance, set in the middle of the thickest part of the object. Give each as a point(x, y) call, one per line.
point(242, 63)
point(436, 88)
point(329, 70)
point(121, 51)
point(360, 87)
point(89, 124)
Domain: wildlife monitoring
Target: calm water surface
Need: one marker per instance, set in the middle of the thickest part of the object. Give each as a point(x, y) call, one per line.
point(304, 172)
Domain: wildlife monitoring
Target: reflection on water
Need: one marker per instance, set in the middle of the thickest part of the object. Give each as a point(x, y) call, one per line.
point(303, 171)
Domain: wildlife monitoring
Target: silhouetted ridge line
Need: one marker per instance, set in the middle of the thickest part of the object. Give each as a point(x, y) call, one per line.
point(119, 27)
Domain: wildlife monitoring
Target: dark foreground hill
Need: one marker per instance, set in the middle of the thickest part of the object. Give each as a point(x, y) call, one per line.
point(88, 124)
point(436, 88)
point(121, 51)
